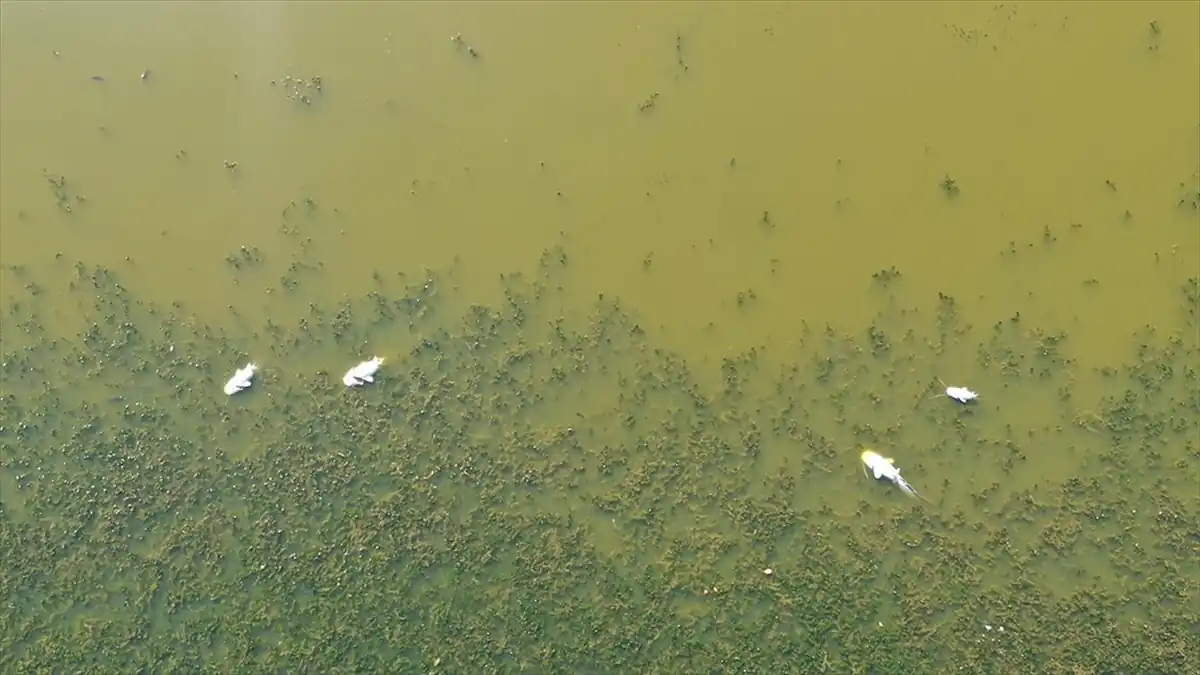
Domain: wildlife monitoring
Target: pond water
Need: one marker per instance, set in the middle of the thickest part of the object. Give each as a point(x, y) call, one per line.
point(646, 279)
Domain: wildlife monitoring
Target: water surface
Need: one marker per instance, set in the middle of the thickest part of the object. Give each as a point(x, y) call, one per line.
point(647, 277)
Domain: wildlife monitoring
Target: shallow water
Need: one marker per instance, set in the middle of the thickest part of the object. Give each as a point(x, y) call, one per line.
point(647, 278)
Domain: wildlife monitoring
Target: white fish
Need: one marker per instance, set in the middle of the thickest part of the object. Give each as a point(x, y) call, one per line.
point(960, 394)
point(883, 467)
point(242, 379)
point(362, 373)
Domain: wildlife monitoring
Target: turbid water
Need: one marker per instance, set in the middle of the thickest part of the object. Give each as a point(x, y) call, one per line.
point(647, 278)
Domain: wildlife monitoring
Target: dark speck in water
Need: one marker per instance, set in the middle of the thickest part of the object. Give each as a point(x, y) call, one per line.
point(98, 78)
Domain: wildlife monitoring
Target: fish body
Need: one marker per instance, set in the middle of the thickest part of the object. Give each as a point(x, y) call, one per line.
point(961, 394)
point(241, 380)
point(363, 373)
point(884, 467)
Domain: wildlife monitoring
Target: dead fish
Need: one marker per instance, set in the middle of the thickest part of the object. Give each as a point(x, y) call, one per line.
point(242, 379)
point(362, 373)
point(961, 394)
point(885, 467)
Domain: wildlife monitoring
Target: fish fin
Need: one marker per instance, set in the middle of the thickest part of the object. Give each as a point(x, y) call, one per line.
point(878, 473)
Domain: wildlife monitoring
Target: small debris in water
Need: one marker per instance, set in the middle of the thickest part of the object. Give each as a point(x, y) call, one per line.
point(949, 186)
point(146, 74)
point(303, 90)
point(98, 78)
point(458, 41)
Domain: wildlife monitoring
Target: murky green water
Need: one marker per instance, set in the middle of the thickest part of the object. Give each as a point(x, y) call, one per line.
point(647, 278)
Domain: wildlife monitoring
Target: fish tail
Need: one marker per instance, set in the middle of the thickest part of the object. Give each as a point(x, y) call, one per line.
point(907, 488)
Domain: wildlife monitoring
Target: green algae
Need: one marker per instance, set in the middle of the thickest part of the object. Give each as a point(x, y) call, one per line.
point(529, 489)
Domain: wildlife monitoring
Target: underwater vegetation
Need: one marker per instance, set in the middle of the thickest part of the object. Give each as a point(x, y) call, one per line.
point(527, 488)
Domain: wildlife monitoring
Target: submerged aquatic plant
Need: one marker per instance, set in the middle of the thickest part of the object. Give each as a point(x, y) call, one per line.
point(544, 487)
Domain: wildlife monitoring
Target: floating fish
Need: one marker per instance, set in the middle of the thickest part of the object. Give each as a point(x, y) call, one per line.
point(883, 467)
point(242, 379)
point(362, 373)
point(960, 394)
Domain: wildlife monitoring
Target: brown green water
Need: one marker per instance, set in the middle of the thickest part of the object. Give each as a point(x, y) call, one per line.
point(648, 277)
